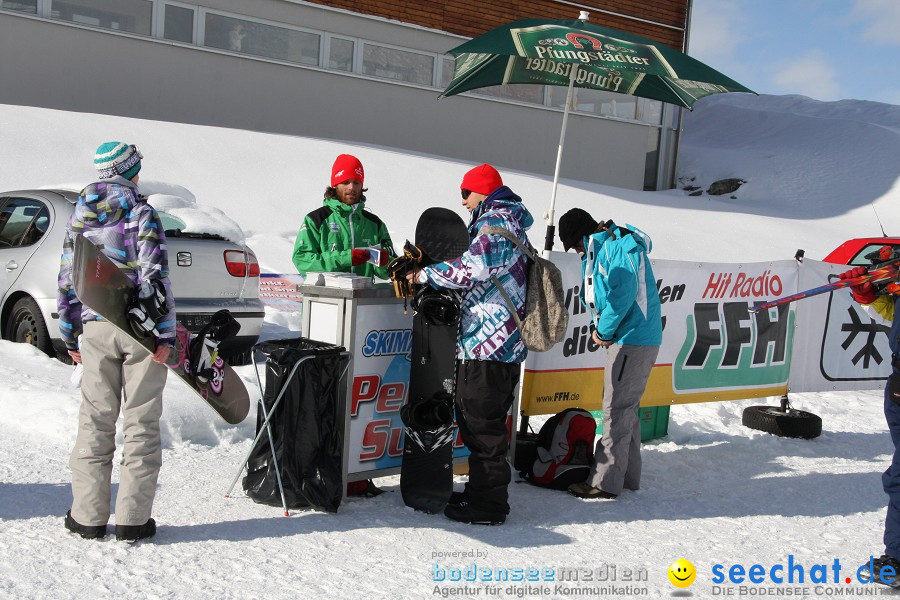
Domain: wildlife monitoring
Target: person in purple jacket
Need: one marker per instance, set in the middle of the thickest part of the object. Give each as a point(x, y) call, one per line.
point(119, 375)
point(489, 348)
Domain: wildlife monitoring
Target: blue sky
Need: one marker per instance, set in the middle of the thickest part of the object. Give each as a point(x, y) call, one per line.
point(824, 49)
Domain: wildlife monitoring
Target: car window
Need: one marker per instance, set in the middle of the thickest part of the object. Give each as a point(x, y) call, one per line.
point(170, 223)
point(859, 259)
point(23, 221)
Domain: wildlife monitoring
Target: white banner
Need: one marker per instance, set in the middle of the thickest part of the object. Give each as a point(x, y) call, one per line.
point(713, 347)
point(843, 346)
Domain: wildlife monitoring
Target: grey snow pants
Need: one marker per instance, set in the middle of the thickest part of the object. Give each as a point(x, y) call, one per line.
point(617, 458)
point(118, 376)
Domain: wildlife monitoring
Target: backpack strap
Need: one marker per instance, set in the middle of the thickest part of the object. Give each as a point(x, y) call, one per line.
point(529, 254)
point(509, 304)
point(528, 251)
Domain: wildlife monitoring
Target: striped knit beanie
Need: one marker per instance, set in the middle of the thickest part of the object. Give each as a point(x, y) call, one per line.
point(116, 158)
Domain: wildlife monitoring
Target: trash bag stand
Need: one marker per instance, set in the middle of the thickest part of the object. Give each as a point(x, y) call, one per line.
point(267, 417)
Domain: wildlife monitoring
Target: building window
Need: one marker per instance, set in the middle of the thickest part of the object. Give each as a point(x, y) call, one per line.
point(521, 92)
point(651, 164)
point(398, 65)
point(132, 16)
point(340, 56)
point(649, 111)
point(179, 24)
point(448, 65)
point(23, 5)
point(260, 39)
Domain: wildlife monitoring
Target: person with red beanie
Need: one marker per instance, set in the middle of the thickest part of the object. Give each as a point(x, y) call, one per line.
point(490, 349)
point(342, 235)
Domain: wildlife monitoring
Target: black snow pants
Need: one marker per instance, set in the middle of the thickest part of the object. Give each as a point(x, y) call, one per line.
point(484, 395)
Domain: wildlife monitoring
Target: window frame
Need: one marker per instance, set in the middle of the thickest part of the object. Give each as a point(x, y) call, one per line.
point(201, 40)
point(42, 206)
point(432, 55)
point(159, 28)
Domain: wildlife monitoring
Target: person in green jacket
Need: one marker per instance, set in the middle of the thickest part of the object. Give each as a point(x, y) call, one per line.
point(342, 236)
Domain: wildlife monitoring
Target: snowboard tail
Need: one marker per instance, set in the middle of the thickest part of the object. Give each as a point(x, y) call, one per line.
point(106, 289)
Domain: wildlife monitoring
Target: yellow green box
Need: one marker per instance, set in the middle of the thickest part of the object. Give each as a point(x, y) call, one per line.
point(654, 421)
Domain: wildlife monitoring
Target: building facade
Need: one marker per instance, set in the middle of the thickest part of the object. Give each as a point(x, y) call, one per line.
point(366, 71)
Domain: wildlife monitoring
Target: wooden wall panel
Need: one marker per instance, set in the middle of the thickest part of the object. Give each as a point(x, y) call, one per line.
point(473, 17)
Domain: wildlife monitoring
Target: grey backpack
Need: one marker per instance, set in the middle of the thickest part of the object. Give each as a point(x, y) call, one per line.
point(546, 316)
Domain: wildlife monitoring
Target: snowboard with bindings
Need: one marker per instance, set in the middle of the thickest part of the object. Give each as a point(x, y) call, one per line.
point(107, 290)
point(426, 470)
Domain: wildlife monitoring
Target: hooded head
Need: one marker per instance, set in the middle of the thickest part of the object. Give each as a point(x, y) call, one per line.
point(574, 226)
point(116, 158)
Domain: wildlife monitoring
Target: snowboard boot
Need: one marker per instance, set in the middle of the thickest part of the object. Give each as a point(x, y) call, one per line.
point(457, 498)
point(88, 532)
point(873, 570)
point(464, 513)
point(133, 533)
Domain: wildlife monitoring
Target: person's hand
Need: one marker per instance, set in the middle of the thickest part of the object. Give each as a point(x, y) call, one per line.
point(864, 293)
point(161, 354)
point(361, 256)
point(599, 342)
point(75, 355)
point(413, 277)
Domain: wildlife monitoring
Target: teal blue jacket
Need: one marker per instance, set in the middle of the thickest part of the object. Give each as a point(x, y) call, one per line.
point(619, 288)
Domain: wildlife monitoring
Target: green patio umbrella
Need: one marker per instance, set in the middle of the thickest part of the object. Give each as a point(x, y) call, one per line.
point(579, 53)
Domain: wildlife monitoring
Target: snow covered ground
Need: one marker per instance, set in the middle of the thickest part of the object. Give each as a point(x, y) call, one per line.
point(713, 492)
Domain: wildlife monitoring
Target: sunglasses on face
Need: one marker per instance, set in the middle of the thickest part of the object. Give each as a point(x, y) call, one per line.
point(465, 194)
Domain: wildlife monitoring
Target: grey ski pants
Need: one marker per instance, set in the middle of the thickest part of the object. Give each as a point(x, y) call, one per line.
point(118, 376)
point(617, 458)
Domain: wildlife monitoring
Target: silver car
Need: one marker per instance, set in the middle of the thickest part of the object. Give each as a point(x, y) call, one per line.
point(207, 273)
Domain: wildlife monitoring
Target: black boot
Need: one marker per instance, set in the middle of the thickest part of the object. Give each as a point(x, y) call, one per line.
point(464, 513)
point(133, 533)
point(883, 578)
point(457, 498)
point(88, 532)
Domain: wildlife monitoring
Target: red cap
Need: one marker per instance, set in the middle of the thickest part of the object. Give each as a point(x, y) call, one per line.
point(346, 167)
point(483, 179)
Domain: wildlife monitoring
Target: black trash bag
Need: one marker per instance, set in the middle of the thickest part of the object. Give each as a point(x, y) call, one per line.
point(307, 427)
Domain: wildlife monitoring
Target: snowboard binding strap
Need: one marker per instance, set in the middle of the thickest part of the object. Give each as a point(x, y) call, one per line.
point(401, 266)
point(204, 349)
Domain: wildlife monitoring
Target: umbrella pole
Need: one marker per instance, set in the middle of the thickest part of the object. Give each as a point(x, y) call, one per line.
point(551, 229)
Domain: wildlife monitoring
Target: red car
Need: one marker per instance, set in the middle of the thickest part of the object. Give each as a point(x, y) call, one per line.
point(853, 252)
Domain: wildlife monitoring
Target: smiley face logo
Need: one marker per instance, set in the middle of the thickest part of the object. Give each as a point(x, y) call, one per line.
point(682, 573)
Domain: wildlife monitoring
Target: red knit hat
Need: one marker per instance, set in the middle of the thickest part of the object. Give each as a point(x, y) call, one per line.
point(346, 167)
point(483, 179)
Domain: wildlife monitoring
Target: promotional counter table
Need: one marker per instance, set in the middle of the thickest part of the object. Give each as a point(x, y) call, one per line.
point(370, 323)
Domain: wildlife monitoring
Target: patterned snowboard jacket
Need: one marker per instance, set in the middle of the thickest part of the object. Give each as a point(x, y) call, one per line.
point(487, 328)
point(128, 230)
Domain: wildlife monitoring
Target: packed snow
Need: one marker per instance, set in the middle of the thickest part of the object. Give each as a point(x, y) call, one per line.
point(713, 492)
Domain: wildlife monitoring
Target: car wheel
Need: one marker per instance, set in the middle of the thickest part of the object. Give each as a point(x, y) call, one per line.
point(27, 325)
point(783, 422)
